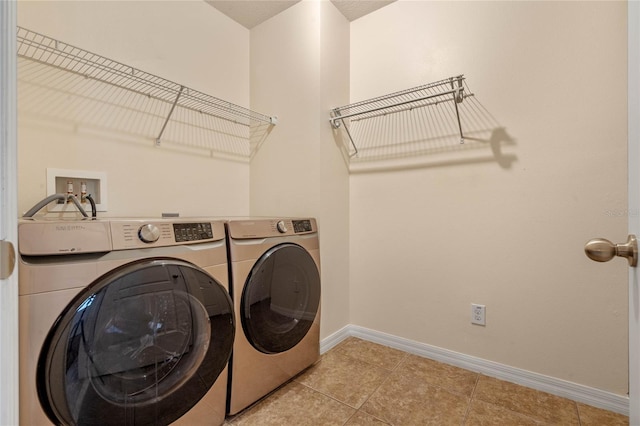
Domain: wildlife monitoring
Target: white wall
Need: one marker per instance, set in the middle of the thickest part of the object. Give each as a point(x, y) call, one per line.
point(404, 250)
point(188, 42)
point(428, 240)
point(333, 187)
point(299, 70)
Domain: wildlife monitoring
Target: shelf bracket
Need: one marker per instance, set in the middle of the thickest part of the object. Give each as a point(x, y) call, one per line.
point(335, 123)
point(457, 98)
point(166, 121)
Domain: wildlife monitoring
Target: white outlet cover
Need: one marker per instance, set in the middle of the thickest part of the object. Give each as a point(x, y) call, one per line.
point(478, 313)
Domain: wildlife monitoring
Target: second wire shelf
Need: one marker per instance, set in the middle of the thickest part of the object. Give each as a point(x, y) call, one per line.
point(450, 92)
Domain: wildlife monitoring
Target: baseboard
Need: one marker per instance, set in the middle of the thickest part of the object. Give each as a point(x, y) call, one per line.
point(576, 392)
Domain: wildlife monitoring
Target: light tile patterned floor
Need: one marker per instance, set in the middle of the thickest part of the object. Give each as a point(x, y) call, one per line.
point(363, 383)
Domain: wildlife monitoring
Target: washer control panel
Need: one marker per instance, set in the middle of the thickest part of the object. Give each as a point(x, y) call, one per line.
point(128, 234)
point(301, 226)
point(192, 231)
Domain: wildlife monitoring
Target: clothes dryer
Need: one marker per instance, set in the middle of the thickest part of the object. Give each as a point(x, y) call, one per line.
point(275, 275)
point(124, 322)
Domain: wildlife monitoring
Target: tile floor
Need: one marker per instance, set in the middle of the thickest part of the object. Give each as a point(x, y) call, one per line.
point(363, 383)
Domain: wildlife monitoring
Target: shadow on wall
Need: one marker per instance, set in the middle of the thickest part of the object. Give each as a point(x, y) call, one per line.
point(427, 135)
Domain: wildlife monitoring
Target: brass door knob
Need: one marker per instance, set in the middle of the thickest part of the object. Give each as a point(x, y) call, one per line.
point(602, 250)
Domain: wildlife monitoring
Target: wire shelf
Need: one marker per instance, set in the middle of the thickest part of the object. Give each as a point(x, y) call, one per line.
point(444, 96)
point(51, 70)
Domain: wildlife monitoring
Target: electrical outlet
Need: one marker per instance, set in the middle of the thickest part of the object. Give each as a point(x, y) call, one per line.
point(478, 314)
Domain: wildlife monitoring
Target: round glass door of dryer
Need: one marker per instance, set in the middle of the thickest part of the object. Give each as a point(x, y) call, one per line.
point(280, 298)
point(141, 345)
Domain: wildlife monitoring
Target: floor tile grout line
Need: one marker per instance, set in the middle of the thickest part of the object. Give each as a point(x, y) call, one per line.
point(578, 413)
point(444, 388)
point(404, 356)
point(350, 417)
point(531, 417)
point(356, 410)
point(450, 389)
point(473, 392)
point(387, 378)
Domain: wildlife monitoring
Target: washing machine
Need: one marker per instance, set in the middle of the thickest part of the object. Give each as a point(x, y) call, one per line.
point(124, 322)
point(275, 287)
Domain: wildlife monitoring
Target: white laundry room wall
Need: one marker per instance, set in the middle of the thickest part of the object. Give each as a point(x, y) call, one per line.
point(299, 70)
point(503, 224)
point(190, 43)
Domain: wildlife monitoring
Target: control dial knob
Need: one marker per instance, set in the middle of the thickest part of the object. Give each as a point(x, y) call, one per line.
point(282, 228)
point(149, 233)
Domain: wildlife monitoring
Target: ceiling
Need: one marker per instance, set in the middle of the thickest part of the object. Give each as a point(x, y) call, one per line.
point(250, 13)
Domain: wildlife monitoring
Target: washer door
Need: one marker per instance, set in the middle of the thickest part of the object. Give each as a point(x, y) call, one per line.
point(280, 298)
point(141, 345)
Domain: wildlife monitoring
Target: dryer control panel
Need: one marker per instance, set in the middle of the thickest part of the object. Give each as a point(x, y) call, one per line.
point(265, 228)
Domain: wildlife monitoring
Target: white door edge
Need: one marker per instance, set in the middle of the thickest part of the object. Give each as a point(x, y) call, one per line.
point(8, 213)
point(633, 89)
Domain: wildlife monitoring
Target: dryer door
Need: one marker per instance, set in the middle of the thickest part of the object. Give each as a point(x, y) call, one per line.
point(141, 345)
point(280, 299)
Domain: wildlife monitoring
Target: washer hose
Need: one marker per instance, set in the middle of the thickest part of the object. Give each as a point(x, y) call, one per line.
point(93, 206)
point(64, 197)
point(78, 205)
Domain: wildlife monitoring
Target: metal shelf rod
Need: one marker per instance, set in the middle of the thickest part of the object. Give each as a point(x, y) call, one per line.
point(423, 98)
point(407, 108)
point(166, 121)
point(457, 98)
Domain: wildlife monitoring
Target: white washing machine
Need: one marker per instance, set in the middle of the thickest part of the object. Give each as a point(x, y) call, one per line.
point(124, 322)
point(275, 287)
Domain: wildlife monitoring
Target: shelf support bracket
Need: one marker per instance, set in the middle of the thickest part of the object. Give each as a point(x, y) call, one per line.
point(336, 124)
point(166, 121)
point(457, 98)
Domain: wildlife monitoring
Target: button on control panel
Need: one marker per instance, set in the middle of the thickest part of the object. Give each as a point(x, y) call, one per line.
point(192, 231)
